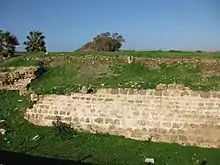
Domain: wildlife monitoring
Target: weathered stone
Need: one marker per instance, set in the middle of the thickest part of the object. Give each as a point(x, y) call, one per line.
point(182, 138)
point(172, 86)
point(161, 87)
point(75, 97)
point(34, 97)
point(180, 87)
point(17, 78)
point(158, 93)
point(68, 119)
point(205, 94)
point(84, 89)
point(99, 120)
point(185, 93)
point(100, 99)
point(174, 138)
point(123, 91)
point(131, 101)
point(114, 91)
point(92, 110)
point(138, 101)
point(45, 111)
point(177, 125)
point(136, 134)
point(87, 120)
point(149, 160)
point(141, 122)
point(108, 99)
point(166, 93)
point(142, 92)
point(161, 131)
point(194, 93)
point(131, 91)
point(166, 124)
point(62, 112)
point(130, 59)
point(216, 94)
point(112, 127)
point(136, 113)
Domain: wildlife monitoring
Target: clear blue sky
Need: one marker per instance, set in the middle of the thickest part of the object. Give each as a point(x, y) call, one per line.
point(145, 24)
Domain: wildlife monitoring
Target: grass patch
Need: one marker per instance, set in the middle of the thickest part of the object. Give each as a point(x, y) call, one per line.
point(65, 74)
point(20, 61)
point(144, 54)
point(70, 77)
point(100, 149)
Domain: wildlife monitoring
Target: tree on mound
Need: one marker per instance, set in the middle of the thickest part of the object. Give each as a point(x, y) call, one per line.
point(8, 43)
point(104, 42)
point(35, 42)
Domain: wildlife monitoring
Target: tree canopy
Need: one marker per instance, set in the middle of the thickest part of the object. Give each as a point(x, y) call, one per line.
point(8, 43)
point(104, 42)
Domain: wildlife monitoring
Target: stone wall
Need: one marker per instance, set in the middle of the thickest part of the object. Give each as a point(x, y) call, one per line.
point(167, 114)
point(17, 78)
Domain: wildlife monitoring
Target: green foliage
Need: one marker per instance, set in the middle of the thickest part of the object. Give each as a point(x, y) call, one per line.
point(105, 42)
point(63, 130)
point(175, 51)
point(8, 44)
point(35, 42)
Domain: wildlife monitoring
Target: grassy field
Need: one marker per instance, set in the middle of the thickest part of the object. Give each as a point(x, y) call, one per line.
point(144, 54)
point(100, 149)
point(68, 72)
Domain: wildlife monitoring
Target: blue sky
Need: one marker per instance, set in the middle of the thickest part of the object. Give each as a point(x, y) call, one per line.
point(145, 24)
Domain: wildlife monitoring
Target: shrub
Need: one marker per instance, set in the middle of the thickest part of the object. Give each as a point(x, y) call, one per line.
point(63, 130)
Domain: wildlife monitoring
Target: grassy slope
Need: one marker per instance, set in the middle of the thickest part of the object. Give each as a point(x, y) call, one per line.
point(64, 79)
point(104, 149)
point(145, 54)
point(69, 76)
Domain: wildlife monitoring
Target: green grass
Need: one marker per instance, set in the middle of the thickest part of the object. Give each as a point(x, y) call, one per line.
point(70, 77)
point(20, 61)
point(144, 54)
point(104, 149)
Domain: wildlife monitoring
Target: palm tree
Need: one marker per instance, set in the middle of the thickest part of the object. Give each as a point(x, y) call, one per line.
point(35, 42)
point(8, 44)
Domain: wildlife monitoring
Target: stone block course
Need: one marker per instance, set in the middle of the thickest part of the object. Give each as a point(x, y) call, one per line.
point(170, 113)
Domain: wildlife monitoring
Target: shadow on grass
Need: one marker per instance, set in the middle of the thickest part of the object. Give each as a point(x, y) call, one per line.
point(12, 158)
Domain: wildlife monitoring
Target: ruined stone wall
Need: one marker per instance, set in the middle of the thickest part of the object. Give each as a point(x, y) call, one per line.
point(167, 114)
point(17, 78)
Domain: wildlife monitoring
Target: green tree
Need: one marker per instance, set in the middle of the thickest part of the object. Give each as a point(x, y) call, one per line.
point(8, 43)
point(105, 42)
point(35, 42)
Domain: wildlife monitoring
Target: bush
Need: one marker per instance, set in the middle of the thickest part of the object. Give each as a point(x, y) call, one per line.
point(63, 130)
point(175, 51)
